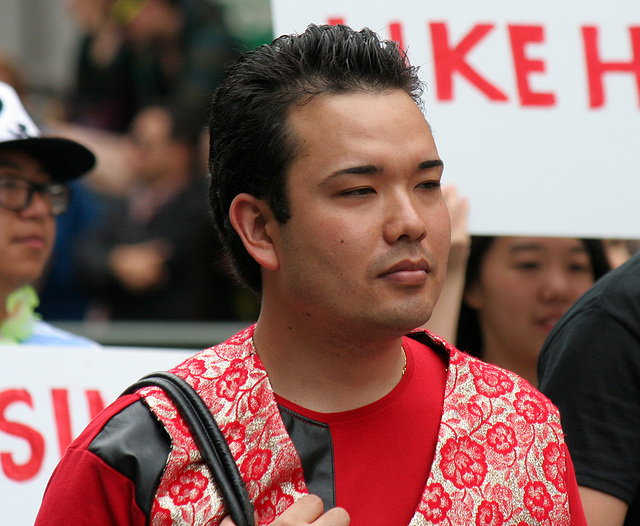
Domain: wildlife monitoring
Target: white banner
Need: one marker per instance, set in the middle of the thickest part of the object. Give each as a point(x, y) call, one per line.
point(47, 397)
point(534, 105)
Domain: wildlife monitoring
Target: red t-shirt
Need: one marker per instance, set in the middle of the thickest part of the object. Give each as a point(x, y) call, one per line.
point(383, 452)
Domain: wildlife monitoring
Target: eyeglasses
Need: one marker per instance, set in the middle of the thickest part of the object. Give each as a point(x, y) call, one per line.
point(17, 194)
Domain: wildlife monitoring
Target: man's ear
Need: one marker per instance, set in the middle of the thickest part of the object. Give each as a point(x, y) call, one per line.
point(251, 218)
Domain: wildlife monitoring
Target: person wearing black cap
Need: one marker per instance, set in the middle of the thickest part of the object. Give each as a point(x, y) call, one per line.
point(34, 172)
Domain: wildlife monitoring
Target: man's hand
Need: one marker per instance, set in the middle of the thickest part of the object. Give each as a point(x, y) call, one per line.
point(308, 510)
point(140, 267)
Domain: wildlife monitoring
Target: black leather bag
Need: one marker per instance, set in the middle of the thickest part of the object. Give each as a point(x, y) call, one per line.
point(209, 439)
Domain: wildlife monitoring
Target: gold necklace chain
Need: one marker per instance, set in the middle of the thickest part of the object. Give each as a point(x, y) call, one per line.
point(404, 356)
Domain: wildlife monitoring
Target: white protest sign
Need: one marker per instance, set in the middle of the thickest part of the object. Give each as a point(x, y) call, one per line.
point(47, 397)
point(534, 105)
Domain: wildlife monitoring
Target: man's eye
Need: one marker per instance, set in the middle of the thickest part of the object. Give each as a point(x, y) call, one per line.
point(359, 191)
point(429, 185)
point(9, 184)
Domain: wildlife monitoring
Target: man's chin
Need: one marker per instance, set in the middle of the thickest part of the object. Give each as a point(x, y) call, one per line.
point(406, 321)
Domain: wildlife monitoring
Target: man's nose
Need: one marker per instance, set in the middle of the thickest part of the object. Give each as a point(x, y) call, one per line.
point(403, 220)
point(39, 206)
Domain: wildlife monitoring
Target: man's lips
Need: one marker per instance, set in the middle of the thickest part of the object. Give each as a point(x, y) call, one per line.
point(32, 241)
point(408, 272)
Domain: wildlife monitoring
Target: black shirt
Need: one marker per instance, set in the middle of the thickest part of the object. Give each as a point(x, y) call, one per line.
point(590, 369)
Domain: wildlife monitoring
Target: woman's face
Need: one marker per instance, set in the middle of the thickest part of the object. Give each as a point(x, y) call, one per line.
point(524, 286)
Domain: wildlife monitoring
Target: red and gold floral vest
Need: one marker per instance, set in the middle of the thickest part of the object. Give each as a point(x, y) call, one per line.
point(499, 458)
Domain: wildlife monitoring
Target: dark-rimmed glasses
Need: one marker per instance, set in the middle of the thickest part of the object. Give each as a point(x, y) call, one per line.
point(17, 194)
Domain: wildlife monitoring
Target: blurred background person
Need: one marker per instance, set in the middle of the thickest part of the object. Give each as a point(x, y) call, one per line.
point(103, 91)
point(181, 49)
point(590, 369)
point(144, 261)
point(135, 53)
point(34, 172)
point(620, 250)
point(61, 296)
point(516, 290)
point(11, 73)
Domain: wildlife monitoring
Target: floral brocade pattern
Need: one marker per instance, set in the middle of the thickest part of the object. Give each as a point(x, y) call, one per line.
point(232, 381)
point(500, 457)
point(499, 460)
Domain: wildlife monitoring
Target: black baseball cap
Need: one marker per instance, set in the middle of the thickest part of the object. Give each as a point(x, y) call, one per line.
point(63, 159)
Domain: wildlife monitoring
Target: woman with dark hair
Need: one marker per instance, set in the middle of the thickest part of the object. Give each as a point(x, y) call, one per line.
point(516, 289)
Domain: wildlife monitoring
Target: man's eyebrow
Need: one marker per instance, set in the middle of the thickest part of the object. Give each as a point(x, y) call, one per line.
point(432, 163)
point(372, 169)
point(357, 170)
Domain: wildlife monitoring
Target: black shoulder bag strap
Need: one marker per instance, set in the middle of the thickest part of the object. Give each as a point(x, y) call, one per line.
point(209, 439)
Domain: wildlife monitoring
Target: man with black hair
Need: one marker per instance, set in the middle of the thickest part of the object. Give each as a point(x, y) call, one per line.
point(325, 188)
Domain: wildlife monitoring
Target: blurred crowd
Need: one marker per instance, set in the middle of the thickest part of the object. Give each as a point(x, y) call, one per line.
point(137, 242)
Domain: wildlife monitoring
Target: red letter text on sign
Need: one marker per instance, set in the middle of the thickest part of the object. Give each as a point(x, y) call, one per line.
point(395, 30)
point(60, 399)
point(520, 36)
point(29, 469)
point(596, 68)
point(448, 60)
point(96, 404)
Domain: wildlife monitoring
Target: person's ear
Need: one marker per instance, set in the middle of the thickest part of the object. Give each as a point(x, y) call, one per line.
point(473, 296)
point(252, 219)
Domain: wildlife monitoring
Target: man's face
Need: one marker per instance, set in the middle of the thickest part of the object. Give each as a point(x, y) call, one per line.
point(367, 243)
point(26, 237)
point(150, 145)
